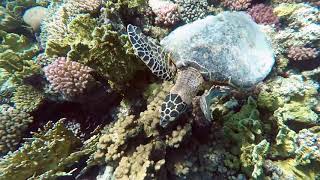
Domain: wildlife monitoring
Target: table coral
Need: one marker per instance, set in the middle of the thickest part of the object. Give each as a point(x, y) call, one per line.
point(13, 124)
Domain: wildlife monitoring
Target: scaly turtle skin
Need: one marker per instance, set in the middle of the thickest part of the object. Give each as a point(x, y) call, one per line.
point(226, 49)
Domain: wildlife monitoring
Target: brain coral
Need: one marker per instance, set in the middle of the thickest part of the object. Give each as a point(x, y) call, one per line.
point(13, 123)
point(68, 77)
point(34, 16)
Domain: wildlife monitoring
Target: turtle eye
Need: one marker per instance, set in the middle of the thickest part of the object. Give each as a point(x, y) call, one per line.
point(171, 109)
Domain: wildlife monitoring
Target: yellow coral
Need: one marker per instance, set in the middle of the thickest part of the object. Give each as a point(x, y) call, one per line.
point(141, 164)
point(27, 98)
point(285, 9)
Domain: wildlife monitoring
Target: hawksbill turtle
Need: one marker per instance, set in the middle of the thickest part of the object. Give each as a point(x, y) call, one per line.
point(225, 49)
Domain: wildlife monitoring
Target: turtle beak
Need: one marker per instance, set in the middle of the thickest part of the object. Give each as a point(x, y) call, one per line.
point(171, 109)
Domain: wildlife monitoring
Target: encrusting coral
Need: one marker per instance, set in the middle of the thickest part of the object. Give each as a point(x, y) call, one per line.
point(13, 124)
point(69, 78)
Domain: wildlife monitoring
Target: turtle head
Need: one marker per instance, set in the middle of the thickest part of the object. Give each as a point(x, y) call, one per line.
point(172, 107)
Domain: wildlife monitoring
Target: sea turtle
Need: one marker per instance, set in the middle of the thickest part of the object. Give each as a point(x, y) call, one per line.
point(226, 49)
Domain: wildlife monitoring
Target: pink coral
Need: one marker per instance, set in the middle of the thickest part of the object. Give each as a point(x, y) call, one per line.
point(237, 4)
point(167, 14)
point(263, 14)
point(298, 53)
point(68, 77)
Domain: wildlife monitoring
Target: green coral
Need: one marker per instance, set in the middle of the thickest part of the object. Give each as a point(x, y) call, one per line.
point(294, 111)
point(244, 126)
point(292, 98)
point(46, 155)
point(16, 53)
point(285, 143)
point(98, 47)
point(8, 22)
point(286, 9)
point(27, 98)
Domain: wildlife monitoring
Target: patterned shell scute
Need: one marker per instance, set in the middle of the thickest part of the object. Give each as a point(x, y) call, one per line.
point(225, 47)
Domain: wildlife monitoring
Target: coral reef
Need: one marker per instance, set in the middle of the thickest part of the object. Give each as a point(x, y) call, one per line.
point(263, 14)
point(192, 10)
point(13, 124)
point(166, 12)
point(46, 155)
point(297, 53)
point(16, 53)
point(237, 4)
point(26, 98)
point(67, 59)
point(69, 78)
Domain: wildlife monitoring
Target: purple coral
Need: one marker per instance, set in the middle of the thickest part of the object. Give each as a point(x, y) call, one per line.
point(299, 53)
point(263, 14)
point(167, 14)
point(237, 4)
point(68, 77)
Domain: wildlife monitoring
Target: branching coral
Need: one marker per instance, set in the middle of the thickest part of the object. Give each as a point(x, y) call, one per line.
point(27, 99)
point(166, 12)
point(13, 124)
point(298, 53)
point(263, 14)
point(69, 78)
point(144, 163)
point(192, 10)
point(237, 4)
point(116, 144)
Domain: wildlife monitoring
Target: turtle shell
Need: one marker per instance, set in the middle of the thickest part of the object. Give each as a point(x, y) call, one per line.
point(226, 47)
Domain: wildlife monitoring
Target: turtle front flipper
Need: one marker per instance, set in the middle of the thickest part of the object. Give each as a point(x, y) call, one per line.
point(210, 96)
point(151, 54)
